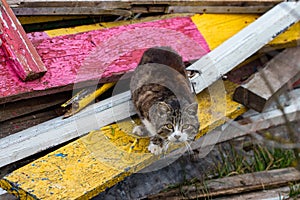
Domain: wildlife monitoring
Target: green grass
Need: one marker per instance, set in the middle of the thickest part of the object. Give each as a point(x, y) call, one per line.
point(262, 158)
point(233, 162)
point(294, 191)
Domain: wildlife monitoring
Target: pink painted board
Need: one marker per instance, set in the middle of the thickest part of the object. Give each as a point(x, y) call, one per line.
point(20, 52)
point(99, 55)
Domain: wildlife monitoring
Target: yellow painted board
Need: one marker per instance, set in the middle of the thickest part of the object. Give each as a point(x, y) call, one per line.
point(89, 165)
point(102, 25)
point(215, 28)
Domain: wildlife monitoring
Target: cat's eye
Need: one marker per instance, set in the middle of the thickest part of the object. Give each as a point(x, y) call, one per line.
point(186, 126)
point(169, 126)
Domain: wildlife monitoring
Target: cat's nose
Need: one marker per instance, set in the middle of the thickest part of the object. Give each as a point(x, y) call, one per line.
point(176, 137)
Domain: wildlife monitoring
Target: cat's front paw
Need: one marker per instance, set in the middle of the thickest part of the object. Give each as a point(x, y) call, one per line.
point(155, 149)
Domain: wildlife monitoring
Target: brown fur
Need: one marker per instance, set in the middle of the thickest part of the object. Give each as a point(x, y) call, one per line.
point(161, 94)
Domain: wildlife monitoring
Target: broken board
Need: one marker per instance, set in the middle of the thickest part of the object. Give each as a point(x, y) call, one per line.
point(266, 85)
point(20, 55)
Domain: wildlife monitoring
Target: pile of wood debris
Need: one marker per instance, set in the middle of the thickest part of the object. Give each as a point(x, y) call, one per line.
point(243, 61)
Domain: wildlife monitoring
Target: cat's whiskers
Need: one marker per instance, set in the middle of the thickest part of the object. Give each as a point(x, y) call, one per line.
point(166, 146)
point(188, 147)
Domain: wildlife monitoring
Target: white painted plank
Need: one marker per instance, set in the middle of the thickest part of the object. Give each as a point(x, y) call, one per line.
point(2, 192)
point(58, 130)
point(6, 196)
point(239, 47)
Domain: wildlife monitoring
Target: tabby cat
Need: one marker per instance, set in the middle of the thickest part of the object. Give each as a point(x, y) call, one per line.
point(163, 99)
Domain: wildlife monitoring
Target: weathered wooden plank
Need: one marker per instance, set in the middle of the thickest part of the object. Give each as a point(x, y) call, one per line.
point(281, 71)
point(218, 9)
point(266, 194)
point(23, 107)
point(18, 124)
point(235, 50)
point(111, 153)
point(234, 185)
point(38, 7)
point(62, 130)
point(21, 55)
point(70, 11)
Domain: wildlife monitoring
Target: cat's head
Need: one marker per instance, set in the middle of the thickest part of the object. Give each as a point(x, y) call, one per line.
point(175, 125)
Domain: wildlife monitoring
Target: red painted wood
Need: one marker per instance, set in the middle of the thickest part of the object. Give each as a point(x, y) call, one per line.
point(20, 52)
point(99, 55)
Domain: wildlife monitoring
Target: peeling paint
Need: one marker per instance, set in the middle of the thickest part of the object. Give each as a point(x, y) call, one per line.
point(65, 56)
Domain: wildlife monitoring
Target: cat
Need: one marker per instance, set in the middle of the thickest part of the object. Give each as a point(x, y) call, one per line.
point(163, 99)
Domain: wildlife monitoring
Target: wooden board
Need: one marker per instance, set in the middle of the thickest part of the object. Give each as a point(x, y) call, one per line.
point(219, 9)
point(234, 185)
point(266, 194)
point(49, 45)
point(23, 107)
point(18, 124)
point(79, 164)
point(20, 54)
point(262, 89)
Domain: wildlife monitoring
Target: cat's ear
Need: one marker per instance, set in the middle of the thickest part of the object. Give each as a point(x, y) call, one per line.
point(192, 109)
point(163, 108)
